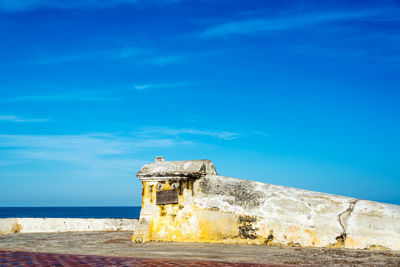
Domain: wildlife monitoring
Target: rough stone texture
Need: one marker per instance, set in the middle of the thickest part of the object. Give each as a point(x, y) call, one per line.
point(118, 244)
point(304, 217)
point(213, 208)
point(32, 225)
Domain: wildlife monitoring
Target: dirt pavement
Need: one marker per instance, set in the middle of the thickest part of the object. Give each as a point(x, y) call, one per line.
point(118, 244)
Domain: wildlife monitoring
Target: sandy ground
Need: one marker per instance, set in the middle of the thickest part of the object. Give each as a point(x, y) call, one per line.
point(118, 244)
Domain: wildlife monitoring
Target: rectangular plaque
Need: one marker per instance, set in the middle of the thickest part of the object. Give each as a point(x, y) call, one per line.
point(167, 197)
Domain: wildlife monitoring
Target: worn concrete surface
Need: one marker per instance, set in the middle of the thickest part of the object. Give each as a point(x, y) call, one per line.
point(118, 244)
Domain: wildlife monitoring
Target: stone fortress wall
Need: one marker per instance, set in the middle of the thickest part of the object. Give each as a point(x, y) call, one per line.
point(187, 201)
point(49, 225)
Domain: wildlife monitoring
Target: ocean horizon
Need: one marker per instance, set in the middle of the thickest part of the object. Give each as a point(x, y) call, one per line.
point(96, 212)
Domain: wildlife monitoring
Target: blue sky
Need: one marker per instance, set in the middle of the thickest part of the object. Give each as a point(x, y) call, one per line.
point(295, 93)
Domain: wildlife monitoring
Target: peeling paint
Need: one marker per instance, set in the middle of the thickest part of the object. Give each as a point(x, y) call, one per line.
point(247, 229)
point(16, 228)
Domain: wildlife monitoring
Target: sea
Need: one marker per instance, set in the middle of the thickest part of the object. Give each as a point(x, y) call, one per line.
point(131, 212)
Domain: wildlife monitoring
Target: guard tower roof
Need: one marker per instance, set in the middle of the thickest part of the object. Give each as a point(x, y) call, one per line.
point(176, 169)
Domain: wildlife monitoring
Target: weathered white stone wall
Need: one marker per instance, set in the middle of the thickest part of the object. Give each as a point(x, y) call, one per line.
point(214, 208)
point(48, 225)
point(296, 216)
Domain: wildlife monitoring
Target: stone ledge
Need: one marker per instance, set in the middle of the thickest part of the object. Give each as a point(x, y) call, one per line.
point(48, 225)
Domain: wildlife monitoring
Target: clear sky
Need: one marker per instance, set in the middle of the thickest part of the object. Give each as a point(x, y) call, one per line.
point(296, 93)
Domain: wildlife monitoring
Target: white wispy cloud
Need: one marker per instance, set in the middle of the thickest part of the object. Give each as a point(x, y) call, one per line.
point(122, 53)
point(261, 133)
point(328, 52)
point(280, 23)
point(106, 153)
point(13, 118)
point(85, 149)
point(148, 86)
point(167, 59)
point(93, 145)
point(165, 131)
point(92, 95)
point(133, 55)
point(75, 96)
point(128, 52)
point(25, 5)
point(95, 155)
point(61, 59)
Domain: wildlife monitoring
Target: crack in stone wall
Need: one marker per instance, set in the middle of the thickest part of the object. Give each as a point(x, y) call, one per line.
point(343, 218)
